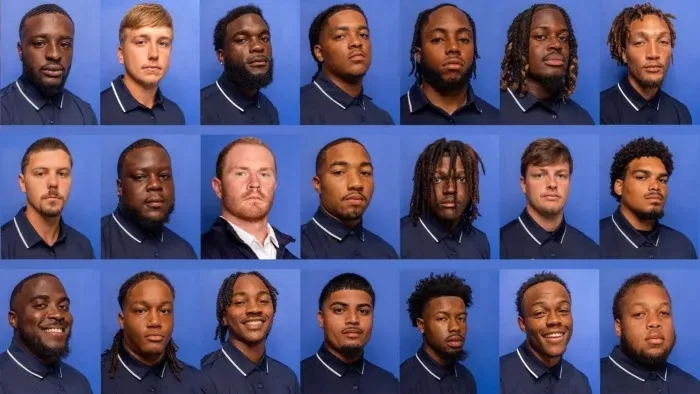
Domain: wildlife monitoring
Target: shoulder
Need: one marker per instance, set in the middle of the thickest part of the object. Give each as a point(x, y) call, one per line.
point(7, 226)
point(281, 368)
point(606, 222)
point(508, 359)
point(105, 220)
point(407, 223)
point(486, 107)
point(7, 89)
point(509, 227)
point(688, 379)
point(676, 235)
point(208, 360)
point(308, 90)
point(381, 112)
point(379, 373)
point(171, 105)
point(178, 239)
point(208, 92)
point(578, 375)
point(376, 238)
point(609, 94)
point(682, 108)
point(572, 231)
point(309, 362)
point(579, 109)
point(107, 94)
point(306, 227)
point(68, 370)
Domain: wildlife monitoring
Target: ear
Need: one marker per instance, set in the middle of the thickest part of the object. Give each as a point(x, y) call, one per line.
point(522, 184)
point(618, 328)
point(319, 317)
point(20, 50)
point(120, 319)
point(318, 54)
point(216, 185)
point(419, 55)
point(220, 56)
point(224, 320)
point(120, 54)
point(12, 319)
point(22, 184)
point(120, 191)
point(317, 184)
point(617, 187)
point(624, 56)
point(420, 323)
point(521, 324)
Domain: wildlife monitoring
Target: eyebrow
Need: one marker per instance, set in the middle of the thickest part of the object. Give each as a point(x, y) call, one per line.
point(542, 303)
point(343, 304)
point(148, 36)
point(144, 302)
point(248, 168)
point(345, 163)
point(247, 31)
point(243, 293)
point(648, 172)
point(564, 30)
point(347, 28)
point(44, 297)
point(444, 31)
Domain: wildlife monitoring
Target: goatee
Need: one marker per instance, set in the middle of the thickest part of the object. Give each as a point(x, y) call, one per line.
point(435, 79)
point(238, 75)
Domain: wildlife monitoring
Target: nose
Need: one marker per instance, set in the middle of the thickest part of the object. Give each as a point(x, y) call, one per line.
point(53, 51)
point(654, 183)
point(553, 319)
point(253, 181)
point(552, 182)
point(452, 46)
point(153, 51)
point(154, 319)
point(652, 50)
point(56, 313)
point(653, 322)
point(352, 317)
point(354, 180)
point(52, 180)
point(355, 41)
point(252, 308)
point(452, 325)
point(257, 46)
point(450, 186)
point(154, 182)
point(554, 42)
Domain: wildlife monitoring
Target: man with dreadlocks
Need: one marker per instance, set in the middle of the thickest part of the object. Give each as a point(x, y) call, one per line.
point(642, 38)
point(443, 58)
point(539, 70)
point(639, 177)
point(340, 44)
point(444, 205)
point(245, 309)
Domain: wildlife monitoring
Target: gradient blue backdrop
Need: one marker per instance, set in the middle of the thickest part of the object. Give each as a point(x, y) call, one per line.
point(581, 210)
point(285, 209)
point(382, 80)
point(184, 154)
point(486, 145)
point(682, 286)
point(83, 79)
point(581, 351)
point(677, 82)
point(181, 83)
point(482, 323)
point(81, 286)
point(283, 19)
point(382, 216)
point(382, 348)
point(81, 211)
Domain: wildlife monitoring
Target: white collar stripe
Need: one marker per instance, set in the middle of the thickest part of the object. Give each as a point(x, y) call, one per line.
point(162, 373)
point(525, 364)
point(234, 364)
point(22, 366)
point(124, 229)
point(563, 235)
point(327, 95)
point(61, 106)
point(129, 369)
point(426, 229)
point(117, 96)
point(627, 98)
point(426, 368)
point(528, 231)
point(516, 100)
point(326, 230)
point(460, 241)
point(410, 106)
point(628, 372)
point(25, 96)
point(228, 98)
point(331, 369)
point(20, 233)
point(561, 369)
point(625, 235)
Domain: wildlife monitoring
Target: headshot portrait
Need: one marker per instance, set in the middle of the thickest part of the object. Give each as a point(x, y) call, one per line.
point(50, 67)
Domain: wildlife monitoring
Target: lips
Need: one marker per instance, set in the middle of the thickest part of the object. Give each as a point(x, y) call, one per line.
point(55, 331)
point(448, 203)
point(554, 337)
point(357, 56)
point(453, 64)
point(354, 198)
point(654, 196)
point(151, 68)
point(255, 323)
point(352, 332)
point(554, 60)
point(455, 341)
point(258, 61)
point(53, 71)
point(155, 337)
point(655, 338)
point(551, 196)
point(653, 68)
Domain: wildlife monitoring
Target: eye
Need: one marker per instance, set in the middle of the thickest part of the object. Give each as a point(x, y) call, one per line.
point(462, 318)
point(239, 173)
point(265, 38)
point(165, 177)
point(239, 303)
point(337, 173)
point(165, 44)
point(338, 310)
point(640, 177)
point(665, 313)
point(140, 311)
point(339, 37)
point(240, 40)
point(664, 42)
point(540, 37)
point(364, 35)
point(438, 179)
point(638, 43)
point(538, 314)
point(538, 176)
point(39, 44)
point(140, 42)
point(663, 180)
point(264, 302)
point(563, 176)
point(442, 318)
point(465, 40)
point(366, 173)
point(64, 307)
point(40, 306)
point(564, 311)
point(462, 179)
point(437, 40)
point(166, 311)
point(66, 45)
point(563, 38)
point(638, 315)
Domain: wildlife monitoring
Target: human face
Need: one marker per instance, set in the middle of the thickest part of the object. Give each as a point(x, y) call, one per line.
point(346, 181)
point(450, 191)
point(549, 45)
point(46, 51)
point(247, 51)
point(546, 187)
point(46, 181)
point(346, 319)
point(250, 315)
point(648, 51)
point(644, 188)
point(548, 322)
point(145, 54)
point(344, 47)
point(146, 184)
point(444, 327)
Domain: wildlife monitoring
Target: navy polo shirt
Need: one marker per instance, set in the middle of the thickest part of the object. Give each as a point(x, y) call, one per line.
point(22, 373)
point(21, 241)
point(223, 104)
point(420, 374)
point(516, 110)
point(522, 373)
point(323, 372)
point(119, 107)
point(323, 102)
point(22, 104)
point(123, 239)
point(621, 375)
point(621, 104)
point(619, 240)
point(222, 242)
point(323, 237)
point(416, 109)
point(427, 239)
point(523, 238)
point(232, 372)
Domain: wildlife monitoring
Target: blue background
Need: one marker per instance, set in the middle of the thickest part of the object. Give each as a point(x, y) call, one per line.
point(81, 287)
point(180, 84)
point(285, 209)
point(581, 210)
point(382, 80)
point(382, 215)
point(482, 323)
point(486, 145)
point(580, 351)
point(681, 285)
point(81, 211)
point(184, 155)
point(382, 348)
point(83, 78)
point(676, 83)
point(283, 19)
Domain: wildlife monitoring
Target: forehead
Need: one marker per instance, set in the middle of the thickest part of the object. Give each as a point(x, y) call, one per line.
point(151, 31)
point(152, 290)
point(249, 282)
point(43, 285)
point(648, 22)
point(346, 18)
point(347, 151)
point(445, 303)
point(547, 17)
point(447, 16)
point(350, 297)
point(246, 22)
point(54, 157)
point(558, 165)
point(149, 156)
point(243, 153)
point(649, 163)
point(544, 290)
point(444, 163)
point(48, 23)
point(647, 293)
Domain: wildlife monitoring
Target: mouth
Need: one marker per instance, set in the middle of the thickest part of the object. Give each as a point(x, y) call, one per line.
point(653, 68)
point(448, 204)
point(551, 197)
point(654, 197)
point(352, 333)
point(554, 60)
point(53, 71)
point(555, 337)
point(357, 56)
point(258, 62)
point(354, 198)
point(455, 342)
point(55, 331)
point(155, 204)
point(453, 64)
point(254, 324)
point(152, 68)
point(155, 338)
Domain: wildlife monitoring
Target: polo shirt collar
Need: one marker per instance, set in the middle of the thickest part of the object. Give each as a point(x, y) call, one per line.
point(337, 95)
point(334, 228)
point(336, 366)
point(417, 99)
point(635, 99)
point(244, 365)
point(126, 101)
point(537, 233)
point(432, 367)
point(28, 234)
point(131, 229)
point(248, 238)
point(621, 361)
point(534, 366)
point(633, 236)
point(438, 233)
point(529, 101)
point(234, 96)
point(136, 368)
point(34, 97)
point(31, 364)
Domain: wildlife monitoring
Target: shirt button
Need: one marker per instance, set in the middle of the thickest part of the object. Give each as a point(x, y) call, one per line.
point(152, 117)
point(553, 255)
point(363, 119)
point(260, 385)
point(357, 253)
point(354, 387)
point(61, 388)
point(651, 256)
point(152, 389)
point(554, 116)
point(52, 253)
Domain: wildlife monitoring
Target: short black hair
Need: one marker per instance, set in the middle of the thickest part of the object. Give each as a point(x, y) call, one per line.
point(435, 286)
point(142, 143)
point(644, 278)
point(40, 10)
point(220, 29)
point(42, 145)
point(321, 155)
point(19, 286)
point(535, 280)
point(635, 149)
point(321, 19)
point(346, 281)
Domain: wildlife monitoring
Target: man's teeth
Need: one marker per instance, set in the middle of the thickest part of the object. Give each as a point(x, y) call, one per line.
point(54, 330)
point(554, 335)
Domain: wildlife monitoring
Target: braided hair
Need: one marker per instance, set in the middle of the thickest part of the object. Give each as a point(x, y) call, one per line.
point(124, 292)
point(515, 65)
point(41, 10)
point(423, 176)
point(620, 29)
point(320, 20)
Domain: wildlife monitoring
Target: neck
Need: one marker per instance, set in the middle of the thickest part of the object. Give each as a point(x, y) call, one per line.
point(351, 224)
point(145, 95)
point(353, 88)
point(258, 229)
point(636, 222)
point(449, 225)
point(248, 92)
point(436, 357)
point(537, 90)
point(549, 223)
point(548, 361)
point(25, 348)
point(149, 360)
point(47, 228)
point(449, 101)
point(253, 352)
point(344, 358)
point(647, 92)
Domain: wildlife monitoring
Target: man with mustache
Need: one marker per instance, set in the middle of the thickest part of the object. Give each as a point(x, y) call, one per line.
point(346, 316)
point(444, 205)
point(541, 232)
point(146, 190)
point(245, 309)
point(438, 308)
point(344, 182)
point(243, 46)
point(639, 177)
point(38, 230)
point(644, 324)
point(340, 44)
point(39, 96)
point(539, 70)
point(642, 38)
point(42, 322)
point(245, 182)
point(443, 58)
point(145, 44)
point(537, 365)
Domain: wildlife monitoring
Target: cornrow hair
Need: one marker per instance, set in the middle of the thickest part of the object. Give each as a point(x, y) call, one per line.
point(19, 286)
point(222, 24)
point(41, 10)
point(225, 299)
point(635, 149)
point(515, 65)
point(423, 176)
point(124, 293)
point(620, 29)
point(421, 21)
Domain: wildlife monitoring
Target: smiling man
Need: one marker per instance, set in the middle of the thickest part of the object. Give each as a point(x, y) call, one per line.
point(537, 365)
point(42, 323)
